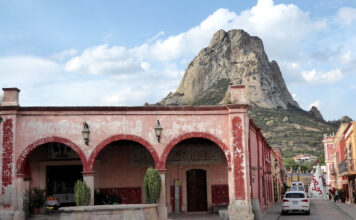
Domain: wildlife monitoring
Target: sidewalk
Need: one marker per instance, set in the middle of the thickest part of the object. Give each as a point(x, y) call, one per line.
point(273, 212)
point(348, 209)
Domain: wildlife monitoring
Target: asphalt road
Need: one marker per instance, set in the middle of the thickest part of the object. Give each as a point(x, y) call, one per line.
point(319, 210)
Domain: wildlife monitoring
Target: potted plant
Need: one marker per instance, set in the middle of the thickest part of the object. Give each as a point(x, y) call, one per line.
point(37, 199)
point(342, 195)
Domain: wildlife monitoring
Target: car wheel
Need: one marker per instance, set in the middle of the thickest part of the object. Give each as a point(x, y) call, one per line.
point(307, 212)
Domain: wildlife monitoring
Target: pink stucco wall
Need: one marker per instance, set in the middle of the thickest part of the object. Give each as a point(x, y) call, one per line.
point(227, 127)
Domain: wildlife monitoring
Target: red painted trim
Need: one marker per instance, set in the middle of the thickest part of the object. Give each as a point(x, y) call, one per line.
point(186, 136)
point(21, 160)
point(259, 171)
point(119, 137)
point(238, 153)
point(7, 151)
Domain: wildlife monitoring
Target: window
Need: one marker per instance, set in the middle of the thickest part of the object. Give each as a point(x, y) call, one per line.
point(350, 157)
point(295, 195)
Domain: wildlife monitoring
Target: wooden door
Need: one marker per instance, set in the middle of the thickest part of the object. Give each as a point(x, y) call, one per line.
point(196, 190)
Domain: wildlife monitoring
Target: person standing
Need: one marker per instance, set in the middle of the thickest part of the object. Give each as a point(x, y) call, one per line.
point(336, 197)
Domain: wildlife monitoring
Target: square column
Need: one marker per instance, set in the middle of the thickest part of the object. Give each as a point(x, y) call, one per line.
point(239, 175)
point(88, 178)
point(162, 204)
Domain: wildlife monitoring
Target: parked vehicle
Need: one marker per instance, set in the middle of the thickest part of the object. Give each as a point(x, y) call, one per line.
point(295, 201)
point(297, 186)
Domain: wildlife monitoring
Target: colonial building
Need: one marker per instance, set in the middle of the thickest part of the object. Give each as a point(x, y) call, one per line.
point(277, 174)
point(340, 158)
point(207, 155)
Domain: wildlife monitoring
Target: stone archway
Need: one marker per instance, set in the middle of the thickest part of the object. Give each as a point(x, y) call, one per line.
point(186, 136)
point(52, 164)
point(21, 160)
point(183, 164)
point(119, 137)
point(119, 164)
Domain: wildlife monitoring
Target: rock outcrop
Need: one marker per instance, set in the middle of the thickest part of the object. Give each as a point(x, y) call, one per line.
point(232, 57)
point(314, 111)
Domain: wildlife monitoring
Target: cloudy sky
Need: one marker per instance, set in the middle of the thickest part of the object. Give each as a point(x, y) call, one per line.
point(131, 52)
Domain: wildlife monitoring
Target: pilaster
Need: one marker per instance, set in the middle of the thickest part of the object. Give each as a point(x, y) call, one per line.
point(162, 204)
point(88, 178)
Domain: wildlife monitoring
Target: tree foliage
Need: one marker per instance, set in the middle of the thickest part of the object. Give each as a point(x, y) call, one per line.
point(82, 193)
point(152, 184)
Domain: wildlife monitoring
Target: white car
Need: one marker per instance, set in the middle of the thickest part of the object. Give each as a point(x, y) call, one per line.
point(295, 201)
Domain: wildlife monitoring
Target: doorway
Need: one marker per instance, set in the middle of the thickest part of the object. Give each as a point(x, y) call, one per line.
point(196, 190)
point(61, 180)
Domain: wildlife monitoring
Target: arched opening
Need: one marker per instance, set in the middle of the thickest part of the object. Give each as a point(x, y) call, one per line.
point(119, 170)
point(197, 176)
point(53, 167)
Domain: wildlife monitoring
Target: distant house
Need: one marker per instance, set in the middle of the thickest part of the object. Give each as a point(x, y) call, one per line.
point(304, 158)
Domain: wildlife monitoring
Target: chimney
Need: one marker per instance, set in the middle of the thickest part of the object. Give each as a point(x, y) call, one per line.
point(10, 97)
point(238, 94)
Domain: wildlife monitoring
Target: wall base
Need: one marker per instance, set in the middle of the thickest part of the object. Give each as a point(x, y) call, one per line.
point(256, 209)
point(139, 212)
point(240, 210)
point(12, 215)
point(162, 212)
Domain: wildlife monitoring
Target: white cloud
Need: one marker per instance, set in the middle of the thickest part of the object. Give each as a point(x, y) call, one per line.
point(104, 60)
point(346, 57)
point(125, 96)
point(270, 22)
point(316, 104)
point(61, 56)
point(346, 15)
point(327, 77)
point(18, 70)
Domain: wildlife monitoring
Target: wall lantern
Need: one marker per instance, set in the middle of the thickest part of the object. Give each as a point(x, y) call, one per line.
point(275, 163)
point(86, 133)
point(158, 131)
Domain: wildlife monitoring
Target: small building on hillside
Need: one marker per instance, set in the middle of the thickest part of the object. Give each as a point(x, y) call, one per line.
point(207, 156)
point(303, 158)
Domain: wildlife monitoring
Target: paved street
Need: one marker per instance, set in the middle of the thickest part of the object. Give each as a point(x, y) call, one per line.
point(319, 209)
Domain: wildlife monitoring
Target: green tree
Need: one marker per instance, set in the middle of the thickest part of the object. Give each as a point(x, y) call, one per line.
point(81, 193)
point(152, 184)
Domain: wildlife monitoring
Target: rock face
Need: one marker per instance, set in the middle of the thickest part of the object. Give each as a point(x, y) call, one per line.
point(314, 111)
point(232, 57)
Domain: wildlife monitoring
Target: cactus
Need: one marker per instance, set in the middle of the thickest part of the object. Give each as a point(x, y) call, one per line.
point(82, 193)
point(152, 184)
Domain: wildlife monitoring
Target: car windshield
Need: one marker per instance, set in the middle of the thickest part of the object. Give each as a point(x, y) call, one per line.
point(295, 195)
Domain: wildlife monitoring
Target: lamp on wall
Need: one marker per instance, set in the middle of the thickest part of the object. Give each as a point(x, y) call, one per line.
point(86, 133)
point(158, 131)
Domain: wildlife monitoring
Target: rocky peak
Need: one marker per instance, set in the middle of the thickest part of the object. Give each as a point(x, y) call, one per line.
point(232, 57)
point(314, 111)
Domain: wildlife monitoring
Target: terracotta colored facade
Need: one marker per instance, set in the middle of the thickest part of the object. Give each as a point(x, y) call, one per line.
point(340, 154)
point(219, 143)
